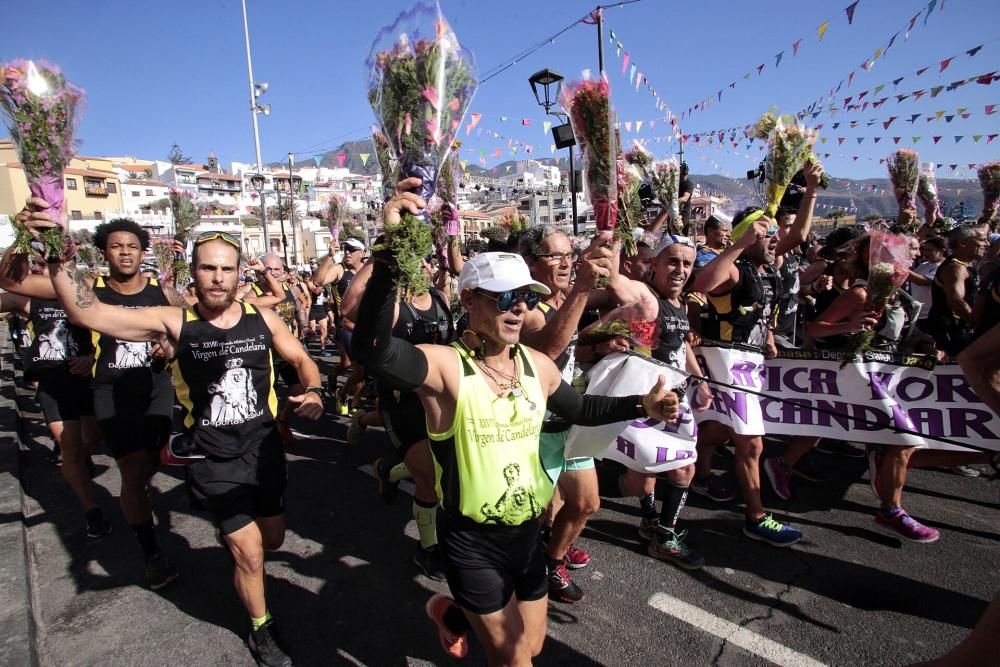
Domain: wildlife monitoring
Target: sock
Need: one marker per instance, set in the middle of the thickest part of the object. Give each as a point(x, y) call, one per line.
point(257, 622)
point(890, 512)
point(673, 503)
point(426, 517)
point(146, 535)
point(398, 472)
point(648, 505)
point(456, 620)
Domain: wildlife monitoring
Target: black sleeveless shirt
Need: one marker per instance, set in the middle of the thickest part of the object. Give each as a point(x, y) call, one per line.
point(742, 317)
point(225, 380)
point(54, 341)
point(951, 333)
point(674, 328)
point(125, 363)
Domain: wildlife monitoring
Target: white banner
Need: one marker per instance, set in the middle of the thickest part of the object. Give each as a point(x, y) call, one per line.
point(647, 445)
point(887, 390)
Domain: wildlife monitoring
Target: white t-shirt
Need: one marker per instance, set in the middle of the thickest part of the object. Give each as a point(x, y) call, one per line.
point(921, 293)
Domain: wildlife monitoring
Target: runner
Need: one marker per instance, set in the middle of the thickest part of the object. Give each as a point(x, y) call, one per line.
point(223, 374)
point(491, 497)
point(954, 289)
point(318, 315)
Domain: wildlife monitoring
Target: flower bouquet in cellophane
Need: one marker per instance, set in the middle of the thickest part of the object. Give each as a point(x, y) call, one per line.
point(765, 125)
point(629, 322)
point(888, 269)
point(904, 172)
point(788, 149)
point(989, 180)
point(630, 213)
point(333, 216)
point(421, 82)
point(927, 190)
point(444, 208)
point(42, 111)
point(187, 215)
point(588, 104)
point(665, 180)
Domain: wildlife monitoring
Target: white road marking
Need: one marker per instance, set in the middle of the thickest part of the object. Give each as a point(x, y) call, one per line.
point(731, 632)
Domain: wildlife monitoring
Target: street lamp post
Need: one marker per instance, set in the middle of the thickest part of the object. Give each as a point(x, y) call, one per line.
point(256, 90)
point(547, 78)
point(293, 186)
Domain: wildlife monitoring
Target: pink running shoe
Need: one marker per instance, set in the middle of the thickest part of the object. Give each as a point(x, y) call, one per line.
point(904, 525)
point(780, 476)
point(457, 646)
point(576, 558)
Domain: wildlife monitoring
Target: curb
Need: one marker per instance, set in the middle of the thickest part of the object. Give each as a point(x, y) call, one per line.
point(18, 631)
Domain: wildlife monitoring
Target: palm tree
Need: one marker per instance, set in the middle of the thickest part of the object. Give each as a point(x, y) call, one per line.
point(835, 215)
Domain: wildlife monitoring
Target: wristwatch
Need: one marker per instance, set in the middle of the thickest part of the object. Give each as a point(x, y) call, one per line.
point(315, 390)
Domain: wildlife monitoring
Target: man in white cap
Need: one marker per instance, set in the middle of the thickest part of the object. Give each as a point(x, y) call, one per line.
point(485, 397)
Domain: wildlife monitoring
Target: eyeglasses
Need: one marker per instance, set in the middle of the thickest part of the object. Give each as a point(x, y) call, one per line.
point(556, 257)
point(225, 236)
point(506, 300)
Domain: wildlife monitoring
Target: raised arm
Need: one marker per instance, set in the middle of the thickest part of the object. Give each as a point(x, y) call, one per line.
point(455, 259)
point(799, 231)
point(721, 275)
point(952, 280)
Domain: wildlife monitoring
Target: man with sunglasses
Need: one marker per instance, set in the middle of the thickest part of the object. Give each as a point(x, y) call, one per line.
point(223, 352)
point(741, 288)
point(484, 399)
point(552, 329)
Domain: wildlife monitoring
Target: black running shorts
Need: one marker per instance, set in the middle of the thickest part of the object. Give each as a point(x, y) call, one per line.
point(135, 416)
point(486, 565)
point(64, 396)
point(237, 491)
point(317, 313)
point(405, 421)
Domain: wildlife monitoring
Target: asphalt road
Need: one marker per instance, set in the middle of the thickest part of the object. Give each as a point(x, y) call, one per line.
point(344, 591)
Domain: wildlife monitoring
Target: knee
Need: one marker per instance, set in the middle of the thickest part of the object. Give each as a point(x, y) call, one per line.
point(248, 559)
point(750, 448)
point(681, 476)
point(583, 504)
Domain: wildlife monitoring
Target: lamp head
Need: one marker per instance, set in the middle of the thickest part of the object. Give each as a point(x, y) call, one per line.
point(546, 78)
point(260, 88)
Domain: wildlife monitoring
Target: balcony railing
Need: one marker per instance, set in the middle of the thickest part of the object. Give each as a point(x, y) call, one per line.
point(95, 188)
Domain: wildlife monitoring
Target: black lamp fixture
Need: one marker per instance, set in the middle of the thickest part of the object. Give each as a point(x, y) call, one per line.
point(546, 78)
point(562, 135)
point(257, 181)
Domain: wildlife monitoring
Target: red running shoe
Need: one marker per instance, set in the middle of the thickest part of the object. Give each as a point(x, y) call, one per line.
point(576, 559)
point(457, 646)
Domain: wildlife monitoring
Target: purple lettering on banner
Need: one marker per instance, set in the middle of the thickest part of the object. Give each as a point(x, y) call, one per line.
point(742, 373)
point(824, 381)
point(678, 454)
point(765, 404)
point(924, 386)
point(869, 414)
point(798, 412)
point(644, 423)
point(949, 385)
point(962, 419)
point(774, 380)
point(683, 417)
point(824, 419)
point(927, 420)
point(790, 376)
point(879, 383)
point(625, 447)
point(737, 404)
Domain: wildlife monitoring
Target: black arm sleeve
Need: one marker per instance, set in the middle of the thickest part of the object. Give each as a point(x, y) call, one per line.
point(397, 363)
point(588, 410)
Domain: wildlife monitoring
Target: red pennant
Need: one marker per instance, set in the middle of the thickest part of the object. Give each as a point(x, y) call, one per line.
point(887, 123)
point(341, 158)
point(936, 139)
point(990, 109)
point(990, 137)
point(862, 95)
point(972, 165)
point(945, 63)
point(795, 47)
point(986, 79)
point(850, 78)
point(918, 93)
point(525, 121)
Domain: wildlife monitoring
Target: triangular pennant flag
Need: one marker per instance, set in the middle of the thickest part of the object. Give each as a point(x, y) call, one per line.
point(891, 41)
point(945, 63)
point(958, 137)
point(986, 79)
point(795, 47)
point(991, 109)
point(877, 55)
point(877, 139)
point(850, 78)
point(910, 27)
point(638, 80)
point(922, 70)
point(503, 119)
point(938, 114)
point(860, 139)
point(976, 138)
point(474, 118)
point(822, 140)
point(546, 124)
point(464, 164)
point(628, 126)
point(972, 52)
point(936, 139)
point(822, 29)
point(900, 98)
point(631, 72)
point(953, 167)
point(552, 148)
point(915, 139)
point(878, 89)
point(760, 68)
point(364, 158)
point(496, 153)
point(895, 140)
point(960, 110)
point(887, 123)
point(525, 121)
point(990, 138)
point(861, 96)
point(930, 8)
point(625, 62)
point(638, 125)
point(341, 158)
point(948, 119)
point(972, 165)
point(840, 140)
point(850, 11)
point(935, 90)
point(918, 93)
point(777, 58)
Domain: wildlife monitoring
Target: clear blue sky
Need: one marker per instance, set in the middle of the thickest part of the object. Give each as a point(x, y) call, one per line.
point(163, 72)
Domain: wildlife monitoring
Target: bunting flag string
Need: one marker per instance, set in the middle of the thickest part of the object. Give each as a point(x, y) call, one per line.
point(941, 66)
point(641, 80)
point(821, 31)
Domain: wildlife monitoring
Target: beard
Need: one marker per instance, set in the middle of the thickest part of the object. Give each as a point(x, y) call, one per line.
point(215, 301)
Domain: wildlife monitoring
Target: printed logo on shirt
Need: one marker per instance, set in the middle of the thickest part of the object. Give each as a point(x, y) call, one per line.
point(52, 345)
point(234, 399)
point(129, 354)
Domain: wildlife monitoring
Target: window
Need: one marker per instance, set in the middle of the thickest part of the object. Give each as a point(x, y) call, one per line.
point(71, 184)
point(149, 192)
point(112, 187)
point(98, 215)
point(135, 193)
point(76, 215)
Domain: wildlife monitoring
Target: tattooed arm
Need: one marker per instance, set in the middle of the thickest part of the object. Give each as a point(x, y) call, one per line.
point(174, 298)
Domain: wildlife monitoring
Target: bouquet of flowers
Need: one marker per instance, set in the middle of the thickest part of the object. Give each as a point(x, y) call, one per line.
point(447, 208)
point(186, 217)
point(630, 213)
point(627, 322)
point(989, 180)
point(665, 180)
point(904, 170)
point(927, 189)
point(41, 110)
point(888, 269)
point(639, 157)
point(164, 255)
point(765, 125)
point(332, 216)
point(588, 104)
point(387, 163)
point(788, 148)
point(420, 85)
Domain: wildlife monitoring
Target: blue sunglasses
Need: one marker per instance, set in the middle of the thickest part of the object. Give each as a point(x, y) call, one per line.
point(506, 300)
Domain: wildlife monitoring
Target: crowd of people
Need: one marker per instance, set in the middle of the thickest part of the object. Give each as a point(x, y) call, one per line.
point(477, 383)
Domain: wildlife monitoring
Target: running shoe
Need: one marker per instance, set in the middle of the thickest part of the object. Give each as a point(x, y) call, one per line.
point(965, 471)
point(669, 546)
point(340, 404)
point(780, 476)
point(714, 488)
point(264, 644)
point(387, 489)
point(902, 524)
point(874, 463)
point(576, 558)
point(766, 529)
point(356, 431)
point(806, 470)
point(159, 572)
point(561, 587)
point(648, 526)
point(841, 448)
point(455, 645)
point(326, 353)
point(97, 525)
point(180, 450)
point(429, 562)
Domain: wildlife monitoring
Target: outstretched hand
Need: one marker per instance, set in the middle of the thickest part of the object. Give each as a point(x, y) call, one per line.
point(308, 405)
point(403, 200)
point(661, 403)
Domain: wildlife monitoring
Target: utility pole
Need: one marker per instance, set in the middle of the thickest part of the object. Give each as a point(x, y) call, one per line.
point(256, 128)
point(291, 210)
point(600, 38)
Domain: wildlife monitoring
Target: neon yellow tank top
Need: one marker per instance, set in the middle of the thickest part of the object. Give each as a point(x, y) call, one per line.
point(487, 466)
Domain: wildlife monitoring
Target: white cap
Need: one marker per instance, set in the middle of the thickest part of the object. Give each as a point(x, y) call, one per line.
point(498, 272)
point(354, 244)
